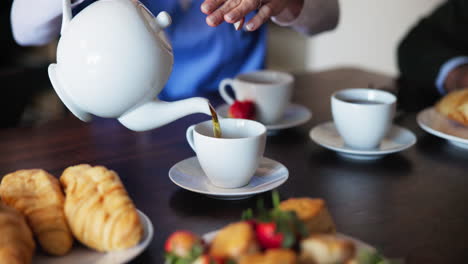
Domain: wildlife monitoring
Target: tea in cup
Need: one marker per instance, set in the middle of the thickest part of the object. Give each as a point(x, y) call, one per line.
point(363, 116)
point(229, 161)
point(269, 90)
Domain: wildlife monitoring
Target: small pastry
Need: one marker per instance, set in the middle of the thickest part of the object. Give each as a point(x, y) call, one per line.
point(281, 256)
point(271, 256)
point(312, 212)
point(99, 211)
point(327, 249)
point(16, 239)
point(38, 196)
point(234, 241)
point(455, 106)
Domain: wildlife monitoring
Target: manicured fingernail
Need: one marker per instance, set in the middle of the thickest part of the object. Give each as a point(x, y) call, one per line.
point(250, 26)
point(230, 17)
point(206, 7)
point(211, 20)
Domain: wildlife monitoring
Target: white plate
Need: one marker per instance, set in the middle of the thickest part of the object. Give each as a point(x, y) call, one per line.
point(294, 115)
point(398, 139)
point(438, 125)
point(208, 238)
point(80, 254)
point(189, 175)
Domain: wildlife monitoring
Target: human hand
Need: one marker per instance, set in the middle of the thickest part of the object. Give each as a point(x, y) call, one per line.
point(457, 78)
point(233, 11)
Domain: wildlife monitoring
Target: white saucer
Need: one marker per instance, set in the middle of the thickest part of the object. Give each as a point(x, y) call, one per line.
point(294, 115)
point(81, 254)
point(397, 139)
point(438, 125)
point(189, 175)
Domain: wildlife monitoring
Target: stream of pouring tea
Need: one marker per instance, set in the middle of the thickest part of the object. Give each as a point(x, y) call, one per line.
point(216, 127)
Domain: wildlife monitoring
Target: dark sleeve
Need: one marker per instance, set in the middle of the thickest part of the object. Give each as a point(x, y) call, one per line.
point(436, 39)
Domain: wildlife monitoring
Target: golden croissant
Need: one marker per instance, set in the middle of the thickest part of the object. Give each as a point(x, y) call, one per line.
point(455, 106)
point(38, 196)
point(16, 240)
point(99, 210)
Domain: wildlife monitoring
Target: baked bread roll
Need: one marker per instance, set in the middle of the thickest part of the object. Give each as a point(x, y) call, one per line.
point(38, 196)
point(234, 241)
point(455, 106)
point(99, 210)
point(271, 256)
point(327, 249)
point(16, 240)
point(312, 212)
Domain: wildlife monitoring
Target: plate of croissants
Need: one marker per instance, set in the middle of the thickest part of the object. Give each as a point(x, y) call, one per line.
point(86, 216)
point(294, 231)
point(448, 119)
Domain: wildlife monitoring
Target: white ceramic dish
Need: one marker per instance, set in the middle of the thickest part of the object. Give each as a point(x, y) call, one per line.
point(438, 125)
point(294, 115)
point(80, 254)
point(188, 175)
point(398, 139)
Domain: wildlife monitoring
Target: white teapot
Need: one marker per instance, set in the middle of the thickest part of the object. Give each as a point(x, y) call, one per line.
point(113, 59)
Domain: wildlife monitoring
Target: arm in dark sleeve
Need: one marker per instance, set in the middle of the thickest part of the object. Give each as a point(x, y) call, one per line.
point(433, 41)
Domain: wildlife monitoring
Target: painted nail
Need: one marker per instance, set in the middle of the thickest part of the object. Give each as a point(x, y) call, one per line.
point(250, 26)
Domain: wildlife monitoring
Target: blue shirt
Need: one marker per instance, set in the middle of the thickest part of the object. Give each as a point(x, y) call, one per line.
point(204, 55)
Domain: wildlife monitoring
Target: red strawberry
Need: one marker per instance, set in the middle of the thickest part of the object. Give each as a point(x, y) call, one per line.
point(244, 110)
point(267, 235)
point(180, 243)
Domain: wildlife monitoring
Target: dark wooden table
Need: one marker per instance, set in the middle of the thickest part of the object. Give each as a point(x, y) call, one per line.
point(411, 205)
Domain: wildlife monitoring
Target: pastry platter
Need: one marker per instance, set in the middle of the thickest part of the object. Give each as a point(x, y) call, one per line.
point(81, 254)
point(438, 125)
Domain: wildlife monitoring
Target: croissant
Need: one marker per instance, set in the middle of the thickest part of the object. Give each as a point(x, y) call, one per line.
point(16, 240)
point(38, 196)
point(98, 209)
point(455, 106)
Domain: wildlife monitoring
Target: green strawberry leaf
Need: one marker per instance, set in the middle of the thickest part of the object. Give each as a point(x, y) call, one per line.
point(247, 215)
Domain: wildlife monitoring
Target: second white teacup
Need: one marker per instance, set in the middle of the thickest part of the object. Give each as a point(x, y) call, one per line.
point(363, 116)
point(269, 90)
point(229, 161)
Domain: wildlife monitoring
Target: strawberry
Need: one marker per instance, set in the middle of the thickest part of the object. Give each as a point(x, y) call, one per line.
point(181, 243)
point(267, 235)
point(275, 228)
point(242, 109)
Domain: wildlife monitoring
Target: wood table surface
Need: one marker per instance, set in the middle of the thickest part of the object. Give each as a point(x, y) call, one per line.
point(411, 205)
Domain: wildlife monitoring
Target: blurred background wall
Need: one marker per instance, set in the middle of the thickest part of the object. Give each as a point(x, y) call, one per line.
point(367, 37)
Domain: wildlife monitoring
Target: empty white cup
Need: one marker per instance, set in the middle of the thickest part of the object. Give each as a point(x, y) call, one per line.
point(363, 116)
point(230, 161)
point(270, 91)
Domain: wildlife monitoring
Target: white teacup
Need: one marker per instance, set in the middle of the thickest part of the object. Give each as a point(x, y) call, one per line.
point(269, 90)
point(229, 161)
point(363, 116)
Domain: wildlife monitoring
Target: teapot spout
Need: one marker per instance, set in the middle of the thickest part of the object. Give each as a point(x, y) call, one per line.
point(157, 113)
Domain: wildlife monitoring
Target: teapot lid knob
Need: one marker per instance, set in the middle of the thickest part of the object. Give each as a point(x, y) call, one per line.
point(163, 19)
